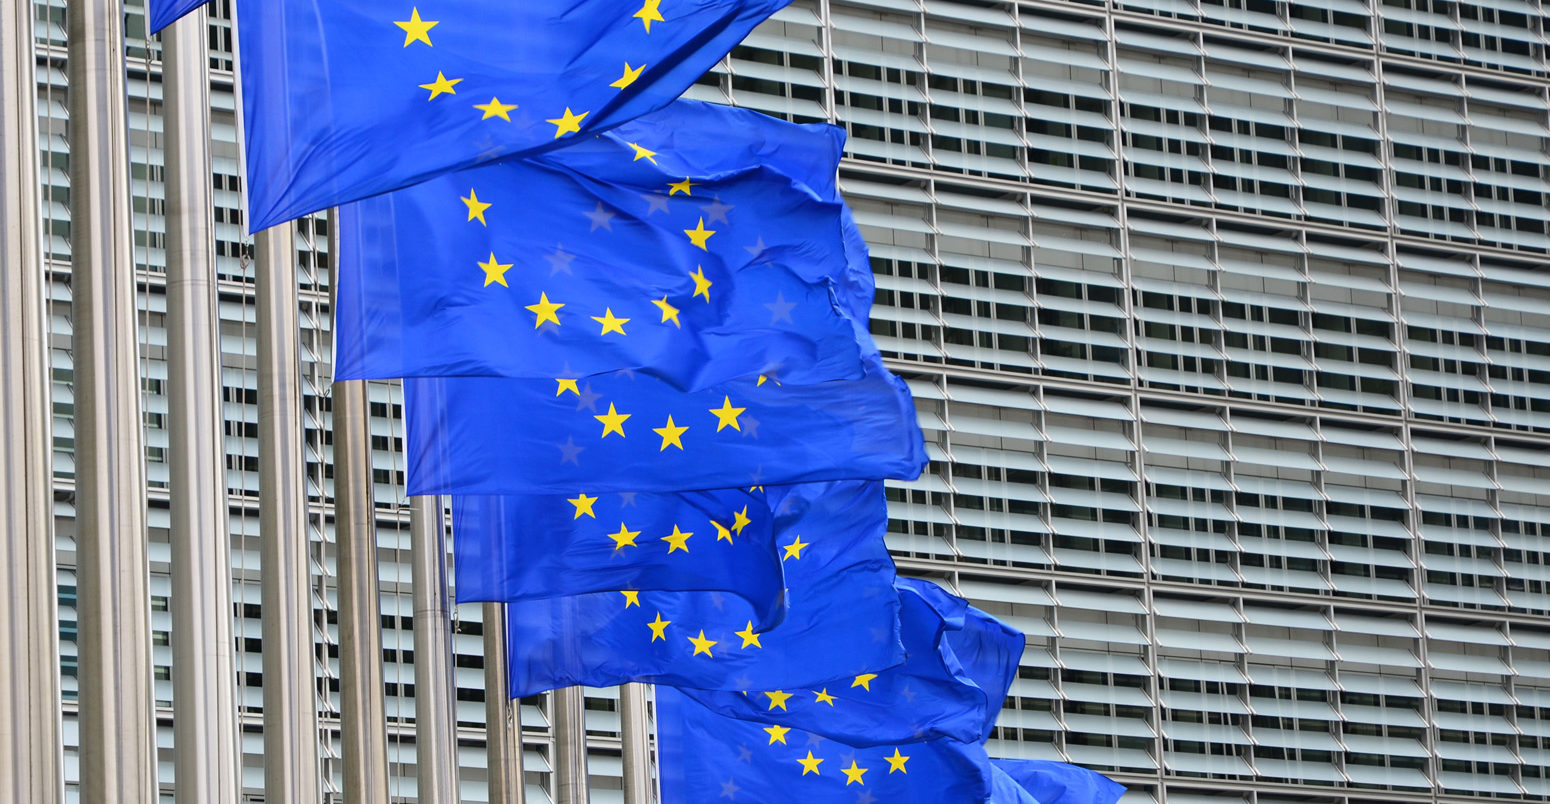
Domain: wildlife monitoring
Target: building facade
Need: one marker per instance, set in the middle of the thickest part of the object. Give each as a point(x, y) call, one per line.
point(1229, 329)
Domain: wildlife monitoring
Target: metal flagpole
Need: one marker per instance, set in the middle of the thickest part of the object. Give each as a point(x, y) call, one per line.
point(635, 734)
point(502, 718)
point(291, 766)
point(205, 758)
point(290, 687)
point(117, 726)
point(362, 710)
point(435, 725)
point(569, 719)
point(31, 768)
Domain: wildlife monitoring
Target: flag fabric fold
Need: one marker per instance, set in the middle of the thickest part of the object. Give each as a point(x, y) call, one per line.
point(1043, 781)
point(524, 547)
point(959, 664)
point(709, 757)
point(1005, 790)
point(629, 432)
point(668, 246)
point(345, 99)
point(841, 618)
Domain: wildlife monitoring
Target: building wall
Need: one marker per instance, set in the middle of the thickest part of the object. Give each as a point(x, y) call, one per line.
point(1227, 326)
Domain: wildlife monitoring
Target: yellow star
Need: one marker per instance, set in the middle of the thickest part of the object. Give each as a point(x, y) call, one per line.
point(810, 765)
point(777, 698)
point(777, 734)
point(545, 310)
point(679, 187)
point(583, 505)
point(643, 153)
point(824, 697)
point(740, 520)
point(476, 207)
point(631, 598)
point(764, 378)
point(569, 124)
point(722, 532)
point(416, 29)
point(679, 540)
point(864, 681)
point(659, 628)
point(567, 385)
point(794, 550)
point(624, 538)
point(896, 762)
point(671, 435)
point(701, 644)
point(495, 272)
point(627, 79)
point(648, 13)
point(726, 416)
point(611, 324)
point(699, 234)
point(854, 774)
point(669, 312)
point(749, 637)
point(613, 421)
point(441, 86)
point(495, 109)
point(701, 284)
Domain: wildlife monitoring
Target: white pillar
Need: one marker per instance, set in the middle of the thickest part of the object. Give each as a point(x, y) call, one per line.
point(117, 727)
point(635, 734)
point(206, 762)
point(30, 759)
point(362, 710)
point(502, 716)
point(435, 721)
point(568, 717)
point(290, 680)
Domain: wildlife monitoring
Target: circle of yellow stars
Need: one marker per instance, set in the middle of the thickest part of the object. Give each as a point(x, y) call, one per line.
point(417, 31)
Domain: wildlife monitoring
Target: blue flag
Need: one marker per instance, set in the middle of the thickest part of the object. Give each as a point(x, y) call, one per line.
point(542, 546)
point(161, 13)
point(842, 616)
point(1046, 782)
point(481, 435)
point(696, 260)
point(345, 99)
point(705, 756)
point(960, 663)
point(1005, 790)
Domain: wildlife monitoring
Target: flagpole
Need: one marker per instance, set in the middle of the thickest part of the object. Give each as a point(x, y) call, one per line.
point(117, 725)
point(635, 734)
point(290, 691)
point(569, 719)
point(362, 709)
point(205, 758)
point(435, 726)
point(31, 765)
point(502, 718)
point(292, 771)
